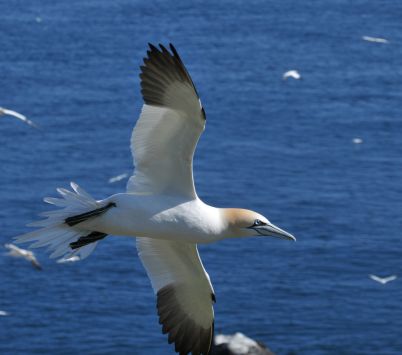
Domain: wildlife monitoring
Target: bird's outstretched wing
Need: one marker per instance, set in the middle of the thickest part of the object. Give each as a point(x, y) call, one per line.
point(184, 293)
point(383, 280)
point(4, 111)
point(390, 278)
point(166, 134)
point(376, 278)
point(35, 263)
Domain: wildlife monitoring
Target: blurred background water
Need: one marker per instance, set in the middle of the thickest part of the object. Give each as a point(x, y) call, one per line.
point(284, 148)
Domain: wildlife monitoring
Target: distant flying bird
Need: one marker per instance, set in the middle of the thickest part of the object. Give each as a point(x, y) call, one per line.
point(4, 111)
point(357, 140)
point(292, 74)
point(118, 178)
point(161, 207)
point(383, 280)
point(375, 39)
point(22, 253)
point(4, 313)
point(71, 259)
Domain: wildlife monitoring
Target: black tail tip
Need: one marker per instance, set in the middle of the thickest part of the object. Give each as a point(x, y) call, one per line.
point(88, 239)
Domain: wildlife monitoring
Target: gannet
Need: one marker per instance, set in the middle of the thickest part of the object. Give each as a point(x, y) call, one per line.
point(160, 207)
point(383, 280)
point(374, 39)
point(22, 253)
point(72, 259)
point(117, 178)
point(4, 111)
point(291, 74)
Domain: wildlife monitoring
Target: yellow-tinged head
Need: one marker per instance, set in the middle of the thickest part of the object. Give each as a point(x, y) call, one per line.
point(242, 223)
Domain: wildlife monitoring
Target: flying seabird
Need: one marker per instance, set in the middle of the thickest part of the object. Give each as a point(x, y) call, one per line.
point(117, 178)
point(383, 280)
point(374, 39)
point(71, 259)
point(23, 253)
point(161, 207)
point(4, 111)
point(291, 74)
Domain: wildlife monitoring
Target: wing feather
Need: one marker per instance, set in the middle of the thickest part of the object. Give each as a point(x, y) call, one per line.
point(166, 134)
point(184, 293)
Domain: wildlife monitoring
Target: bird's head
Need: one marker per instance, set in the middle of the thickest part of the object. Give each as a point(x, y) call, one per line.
point(246, 223)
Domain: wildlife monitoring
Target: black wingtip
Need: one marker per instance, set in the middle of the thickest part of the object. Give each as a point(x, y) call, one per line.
point(173, 49)
point(162, 66)
point(88, 239)
point(152, 47)
point(163, 48)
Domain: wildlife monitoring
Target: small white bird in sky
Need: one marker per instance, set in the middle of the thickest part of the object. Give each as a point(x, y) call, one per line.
point(374, 39)
point(292, 74)
point(69, 260)
point(161, 207)
point(117, 178)
point(22, 253)
point(4, 111)
point(383, 280)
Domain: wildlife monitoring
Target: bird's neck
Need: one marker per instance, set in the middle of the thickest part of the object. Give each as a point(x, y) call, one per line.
point(233, 220)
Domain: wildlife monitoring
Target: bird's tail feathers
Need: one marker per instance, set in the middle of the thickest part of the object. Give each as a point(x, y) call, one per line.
point(59, 237)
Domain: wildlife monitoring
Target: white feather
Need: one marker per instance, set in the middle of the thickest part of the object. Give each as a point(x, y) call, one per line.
point(168, 262)
point(55, 234)
point(164, 139)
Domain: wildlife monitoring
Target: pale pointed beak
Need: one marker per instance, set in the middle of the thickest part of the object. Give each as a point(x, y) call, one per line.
point(274, 231)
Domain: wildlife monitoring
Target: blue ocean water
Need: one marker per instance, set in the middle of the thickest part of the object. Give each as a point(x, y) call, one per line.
point(283, 148)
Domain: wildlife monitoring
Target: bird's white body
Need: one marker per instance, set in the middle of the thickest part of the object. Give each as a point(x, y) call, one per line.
point(161, 207)
point(161, 217)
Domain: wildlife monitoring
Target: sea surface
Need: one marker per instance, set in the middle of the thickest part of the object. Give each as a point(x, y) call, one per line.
point(282, 147)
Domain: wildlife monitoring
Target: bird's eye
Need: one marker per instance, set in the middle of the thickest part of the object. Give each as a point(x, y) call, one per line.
point(257, 223)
